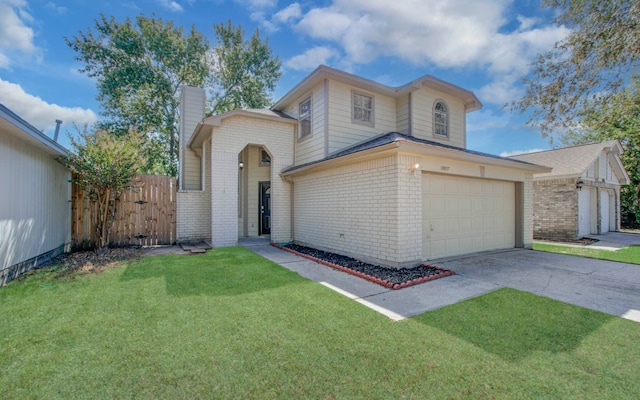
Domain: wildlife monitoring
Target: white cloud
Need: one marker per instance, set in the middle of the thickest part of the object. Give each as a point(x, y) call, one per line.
point(38, 112)
point(444, 33)
point(171, 5)
point(291, 12)
point(312, 58)
point(486, 121)
point(4, 61)
point(258, 4)
point(56, 8)
point(15, 35)
point(516, 152)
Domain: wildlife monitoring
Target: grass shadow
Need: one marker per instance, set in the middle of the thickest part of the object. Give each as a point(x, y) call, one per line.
point(513, 324)
point(224, 271)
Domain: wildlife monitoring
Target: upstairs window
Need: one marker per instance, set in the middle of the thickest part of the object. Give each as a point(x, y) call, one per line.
point(362, 108)
point(265, 158)
point(304, 118)
point(440, 119)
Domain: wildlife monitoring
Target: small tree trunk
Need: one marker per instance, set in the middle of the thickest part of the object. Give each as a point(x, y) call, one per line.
point(104, 239)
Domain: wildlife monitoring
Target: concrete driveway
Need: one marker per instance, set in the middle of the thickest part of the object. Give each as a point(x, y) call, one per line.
point(610, 287)
point(605, 286)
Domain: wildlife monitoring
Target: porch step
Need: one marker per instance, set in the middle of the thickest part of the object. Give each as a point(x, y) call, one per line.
point(195, 247)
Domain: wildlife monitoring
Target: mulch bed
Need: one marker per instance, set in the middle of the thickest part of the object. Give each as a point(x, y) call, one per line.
point(392, 278)
point(91, 262)
point(581, 241)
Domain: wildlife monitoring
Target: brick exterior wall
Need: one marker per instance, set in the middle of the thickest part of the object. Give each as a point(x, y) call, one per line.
point(194, 206)
point(369, 210)
point(555, 209)
point(229, 139)
point(528, 211)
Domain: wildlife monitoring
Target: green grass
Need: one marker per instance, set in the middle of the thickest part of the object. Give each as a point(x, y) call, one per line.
point(629, 254)
point(232, 325)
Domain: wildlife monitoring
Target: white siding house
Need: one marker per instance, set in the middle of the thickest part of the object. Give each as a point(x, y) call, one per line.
point(35, 207)
point(345, 164)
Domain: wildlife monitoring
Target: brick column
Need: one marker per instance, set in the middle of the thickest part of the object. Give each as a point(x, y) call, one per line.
point(224, 198)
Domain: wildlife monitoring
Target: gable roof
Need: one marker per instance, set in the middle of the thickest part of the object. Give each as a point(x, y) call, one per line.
point(200, 135)
point(573, 162)
point(396, 139)
point(471, 102)
point(12, 124)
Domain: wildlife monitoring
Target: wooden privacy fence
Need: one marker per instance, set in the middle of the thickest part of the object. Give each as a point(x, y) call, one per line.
point(145, 214)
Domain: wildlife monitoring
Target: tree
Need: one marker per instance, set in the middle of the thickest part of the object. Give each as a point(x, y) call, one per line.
point(245, 72)
point(586, 89)
point(598, 59)
point(139, 69)
point(105, 165)
point(141, 66)
point(618, 119)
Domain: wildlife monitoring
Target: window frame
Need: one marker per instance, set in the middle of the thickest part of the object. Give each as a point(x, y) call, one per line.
point(308, 117)
point(446, 121)
point(261, 161)
point(355, 93)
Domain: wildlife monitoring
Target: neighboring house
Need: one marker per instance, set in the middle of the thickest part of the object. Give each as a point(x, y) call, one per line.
point(581, 195)
point(348, 165)
point(35, 208)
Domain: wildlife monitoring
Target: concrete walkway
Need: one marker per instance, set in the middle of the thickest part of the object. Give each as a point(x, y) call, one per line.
point(605, 286)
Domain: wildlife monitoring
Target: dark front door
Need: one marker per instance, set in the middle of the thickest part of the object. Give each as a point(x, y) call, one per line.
point(265, 208)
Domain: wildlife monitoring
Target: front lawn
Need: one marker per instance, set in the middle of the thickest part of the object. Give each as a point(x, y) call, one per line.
point(232, 325)
point(629, 254)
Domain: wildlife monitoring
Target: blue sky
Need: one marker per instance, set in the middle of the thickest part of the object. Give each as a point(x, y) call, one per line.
point(481, 45)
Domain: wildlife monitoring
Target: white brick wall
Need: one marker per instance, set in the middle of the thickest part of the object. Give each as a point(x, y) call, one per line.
point(224, 198)
point(194, 207)
point(528, 212)
point(370, 210)
point(229, 139)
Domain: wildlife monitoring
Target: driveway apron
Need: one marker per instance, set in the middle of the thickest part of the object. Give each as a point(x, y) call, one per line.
point(605, 286)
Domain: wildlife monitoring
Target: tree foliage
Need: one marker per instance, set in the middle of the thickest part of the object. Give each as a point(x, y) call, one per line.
point(618, 119)
point(245, 71)
point(139, 69)
point(140, 66)
point(586, 88)
point(105, 165)
point(597, 60)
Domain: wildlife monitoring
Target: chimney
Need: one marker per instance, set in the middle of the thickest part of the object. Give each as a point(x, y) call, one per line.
point(192, 101)
point(55, 135)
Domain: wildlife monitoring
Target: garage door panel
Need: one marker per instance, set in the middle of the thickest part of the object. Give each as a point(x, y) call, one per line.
point(471, 215)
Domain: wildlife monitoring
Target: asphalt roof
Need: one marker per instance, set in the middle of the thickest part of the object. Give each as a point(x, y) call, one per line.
point(568, 160)
point(392, 137)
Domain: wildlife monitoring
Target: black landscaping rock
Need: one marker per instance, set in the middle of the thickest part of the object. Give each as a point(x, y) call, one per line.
point(394, 278)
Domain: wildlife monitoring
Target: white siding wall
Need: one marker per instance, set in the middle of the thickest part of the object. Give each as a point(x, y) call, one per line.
point(311, 148)
point(378, 219)
point(403, 114)
point(192, 111)
point(35, 208)
point(342, 131)
point(422, 102)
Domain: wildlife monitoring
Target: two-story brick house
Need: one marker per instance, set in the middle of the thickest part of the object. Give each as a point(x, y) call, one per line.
point(345, 164)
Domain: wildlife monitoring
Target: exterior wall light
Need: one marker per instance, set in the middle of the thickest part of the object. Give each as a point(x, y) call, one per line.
point(579, 184)
point(240, 165)
point(414, 167)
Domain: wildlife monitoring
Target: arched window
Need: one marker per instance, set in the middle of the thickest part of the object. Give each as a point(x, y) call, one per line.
point(440, 119)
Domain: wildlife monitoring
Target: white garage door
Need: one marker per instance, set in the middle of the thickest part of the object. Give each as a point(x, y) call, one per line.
point(605, 211)
point(584, 211)
point(466, 215)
